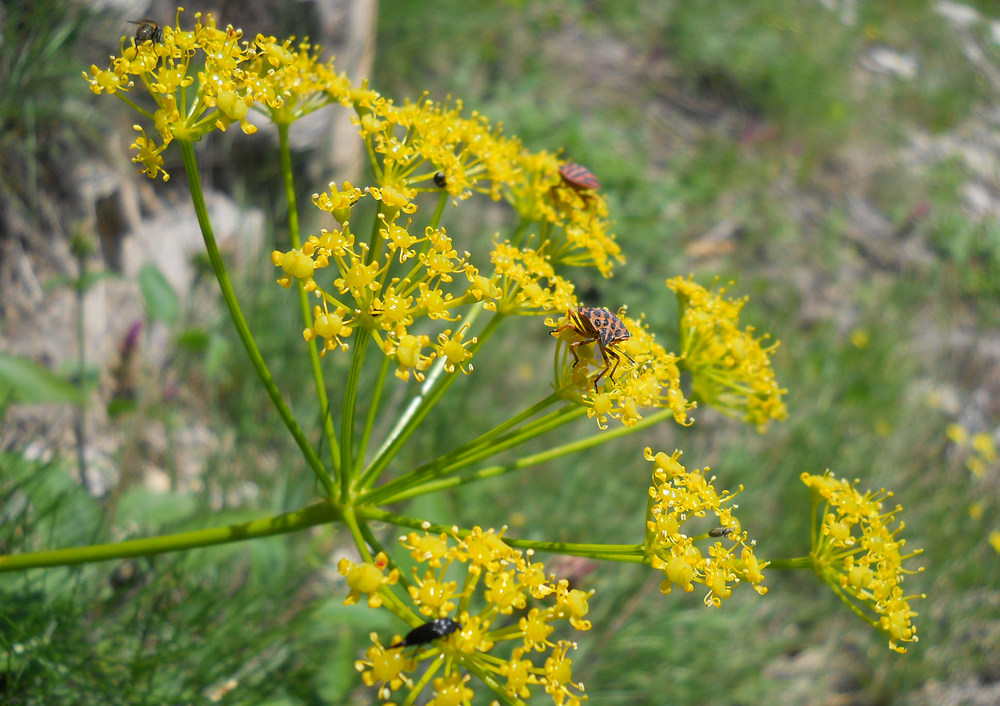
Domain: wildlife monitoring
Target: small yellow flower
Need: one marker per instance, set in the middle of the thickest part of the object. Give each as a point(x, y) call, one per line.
point(108, 81)
point(367, 578)
point(455, 350)
point(333, 328)
point(149, 155)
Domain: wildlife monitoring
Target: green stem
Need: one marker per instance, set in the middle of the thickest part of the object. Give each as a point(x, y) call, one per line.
point(439, 210)
point(353, 524)
point(373, 406)
point(430, 394)
point(309, 516)
point(799, 562)
point(486, 439)
point(525, 462)
point(229, 296)
point(288, 178)
point(462, 459)
point(630, 553)
point(80, 426)
point(361, 341)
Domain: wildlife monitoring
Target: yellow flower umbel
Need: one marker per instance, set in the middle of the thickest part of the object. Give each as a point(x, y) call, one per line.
point(678, 496)
point(195, 78)
point(502, 581)
point(858, 555)
point(730, 369)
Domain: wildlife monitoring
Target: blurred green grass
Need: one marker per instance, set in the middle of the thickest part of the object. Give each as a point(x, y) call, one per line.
point(691, 113)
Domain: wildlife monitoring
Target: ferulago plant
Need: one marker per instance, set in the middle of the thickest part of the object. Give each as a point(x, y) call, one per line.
point(410, 305)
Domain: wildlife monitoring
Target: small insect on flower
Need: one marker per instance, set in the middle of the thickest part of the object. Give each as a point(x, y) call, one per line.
point(600, 325)
point(440, 181)
point(720, 532)
point(147, 30)
point(579, 177)
point(428, 632)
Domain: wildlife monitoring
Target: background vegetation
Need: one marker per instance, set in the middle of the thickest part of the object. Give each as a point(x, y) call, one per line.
point(760, 142)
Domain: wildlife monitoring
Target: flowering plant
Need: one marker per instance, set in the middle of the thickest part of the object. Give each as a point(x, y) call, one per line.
point(411, 305)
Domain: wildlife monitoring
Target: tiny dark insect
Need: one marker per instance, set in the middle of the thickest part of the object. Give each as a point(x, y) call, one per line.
point(600, 325)
point(440, 181)
point(720, 532)
point(579, 177)
point(428, 632)
point(147, 31)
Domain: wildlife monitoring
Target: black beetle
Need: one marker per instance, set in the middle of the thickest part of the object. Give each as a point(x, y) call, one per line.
point(428, 632)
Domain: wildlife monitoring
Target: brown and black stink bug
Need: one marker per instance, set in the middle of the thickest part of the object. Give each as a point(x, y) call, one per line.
point(579, 177)
point(600, 325)
point(428, 632)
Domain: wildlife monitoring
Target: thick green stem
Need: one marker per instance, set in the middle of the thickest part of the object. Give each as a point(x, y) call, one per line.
point(236, 314)
point(288, 178)
point(317, 514)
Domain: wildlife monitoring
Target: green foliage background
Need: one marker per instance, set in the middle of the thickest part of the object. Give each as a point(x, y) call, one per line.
point(774, 91)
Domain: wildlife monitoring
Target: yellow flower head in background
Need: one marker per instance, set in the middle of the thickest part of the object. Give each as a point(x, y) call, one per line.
point(731, 370)
point(456, 640)
point(858, 554)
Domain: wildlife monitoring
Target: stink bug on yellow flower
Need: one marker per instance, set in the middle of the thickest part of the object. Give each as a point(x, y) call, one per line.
point(600, 325)
point(579, 177)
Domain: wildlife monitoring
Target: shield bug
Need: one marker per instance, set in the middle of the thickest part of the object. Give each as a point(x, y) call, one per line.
point(600, 325)
point(440, 181)
point(579, 177)
point(428, 632)
point(147, 31)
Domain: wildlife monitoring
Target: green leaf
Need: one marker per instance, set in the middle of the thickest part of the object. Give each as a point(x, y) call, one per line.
point(217, 356)
point(28, 382)
point(194, 339)
point(152, 510)
point(89, 279)
point(161, 300)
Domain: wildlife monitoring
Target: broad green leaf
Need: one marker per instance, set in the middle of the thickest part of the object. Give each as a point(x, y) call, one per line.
point(161, 300)
point(26, 381)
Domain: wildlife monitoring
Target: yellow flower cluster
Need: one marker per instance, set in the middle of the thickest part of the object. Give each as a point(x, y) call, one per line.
point(208, 78)
point(647, 377)
point(676, 496)
point(858, 555)
point(402, 276)
point(979, 450)
point(511, 586)
point(730, 369)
